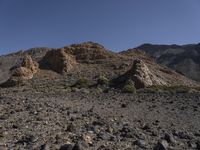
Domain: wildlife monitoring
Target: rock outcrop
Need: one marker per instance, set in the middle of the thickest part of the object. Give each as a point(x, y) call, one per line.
point(23, 72)
point(140, 76)
point(29, 64)
point(88, 51)
point(59, 61)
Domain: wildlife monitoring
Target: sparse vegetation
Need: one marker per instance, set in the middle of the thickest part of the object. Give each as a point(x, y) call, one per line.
point(169, 89)
point(129, 87)
point(102, 80)
point(82, 82)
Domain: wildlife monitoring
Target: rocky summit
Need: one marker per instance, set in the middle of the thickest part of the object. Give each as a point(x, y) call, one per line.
point(86, 97)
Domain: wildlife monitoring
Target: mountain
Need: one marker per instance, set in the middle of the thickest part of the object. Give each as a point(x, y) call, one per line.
point(88, 60)
point(183, 59)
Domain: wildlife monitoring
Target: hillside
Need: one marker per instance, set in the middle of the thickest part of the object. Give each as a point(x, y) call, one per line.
point(86, 97)
point(183, 59)
point(88, 60)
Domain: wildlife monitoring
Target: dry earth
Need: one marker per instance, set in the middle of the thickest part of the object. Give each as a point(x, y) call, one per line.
point(54, 117)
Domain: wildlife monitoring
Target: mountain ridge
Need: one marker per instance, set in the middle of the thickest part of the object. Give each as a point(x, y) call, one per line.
point(181, 58)
point(93, 59)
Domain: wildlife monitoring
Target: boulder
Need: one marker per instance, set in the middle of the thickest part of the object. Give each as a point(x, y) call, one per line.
point(29, 64)
point(21, 73)
point(59, 61)
point(140, 76)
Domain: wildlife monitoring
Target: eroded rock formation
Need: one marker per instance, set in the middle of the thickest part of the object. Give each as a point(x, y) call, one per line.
point(141, 76)
point(23, 72)
point(59, 61)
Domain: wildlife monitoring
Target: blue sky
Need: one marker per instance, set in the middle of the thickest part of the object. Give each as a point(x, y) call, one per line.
point(117, 24)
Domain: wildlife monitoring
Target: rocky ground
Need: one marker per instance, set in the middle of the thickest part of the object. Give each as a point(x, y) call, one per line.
point(89, 119)
point(76, 98)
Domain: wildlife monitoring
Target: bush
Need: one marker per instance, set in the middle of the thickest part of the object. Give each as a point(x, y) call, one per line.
point(81, 83)
point(102, 80)
point(128, 88)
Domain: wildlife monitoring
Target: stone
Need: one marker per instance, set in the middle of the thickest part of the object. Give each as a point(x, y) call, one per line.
point(72, 128)
point(80, 146)
point(141, 143)
point(104, 136)
point(28, 63)
point(3, 147)
point(169, 138)
point(19, 74)
point(140, 76)
point(192, 144)
point(88, 139)
point(66, 147)
point(198, 144)
point(123, 105)
point(44, 147)
point(59, 61)
point(161, 145)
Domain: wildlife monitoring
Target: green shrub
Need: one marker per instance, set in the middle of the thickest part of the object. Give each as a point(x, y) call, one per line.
point(102, 80)
point(129, 88)
point(81, 83)
point(156, 89)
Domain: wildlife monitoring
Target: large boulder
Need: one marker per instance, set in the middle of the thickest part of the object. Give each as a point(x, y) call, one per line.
point(25, 71)
point(29, 64)
point(140, 76)
point(59, 61)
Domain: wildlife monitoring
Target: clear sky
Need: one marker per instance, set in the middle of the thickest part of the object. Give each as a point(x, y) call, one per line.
point(117, 24)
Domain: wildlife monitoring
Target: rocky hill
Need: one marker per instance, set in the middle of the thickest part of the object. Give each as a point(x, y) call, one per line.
point(85, 97)
point(183, 59)
point(90, 60)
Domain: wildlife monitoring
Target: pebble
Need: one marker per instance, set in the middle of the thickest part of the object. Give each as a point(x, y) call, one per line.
point(169, 138)
point(80, 146)
point(192, 144)
point(141, 143)
point(66, 147)
point(44, 147)
point(161, 145)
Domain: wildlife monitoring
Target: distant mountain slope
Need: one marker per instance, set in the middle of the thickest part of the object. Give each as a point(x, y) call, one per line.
point(184, 59)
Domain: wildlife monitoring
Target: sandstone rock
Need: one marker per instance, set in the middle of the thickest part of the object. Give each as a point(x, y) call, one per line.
point(30, 64)
point(59, 61)
point(23, 72)
point(140, 76)
point(88, 51)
